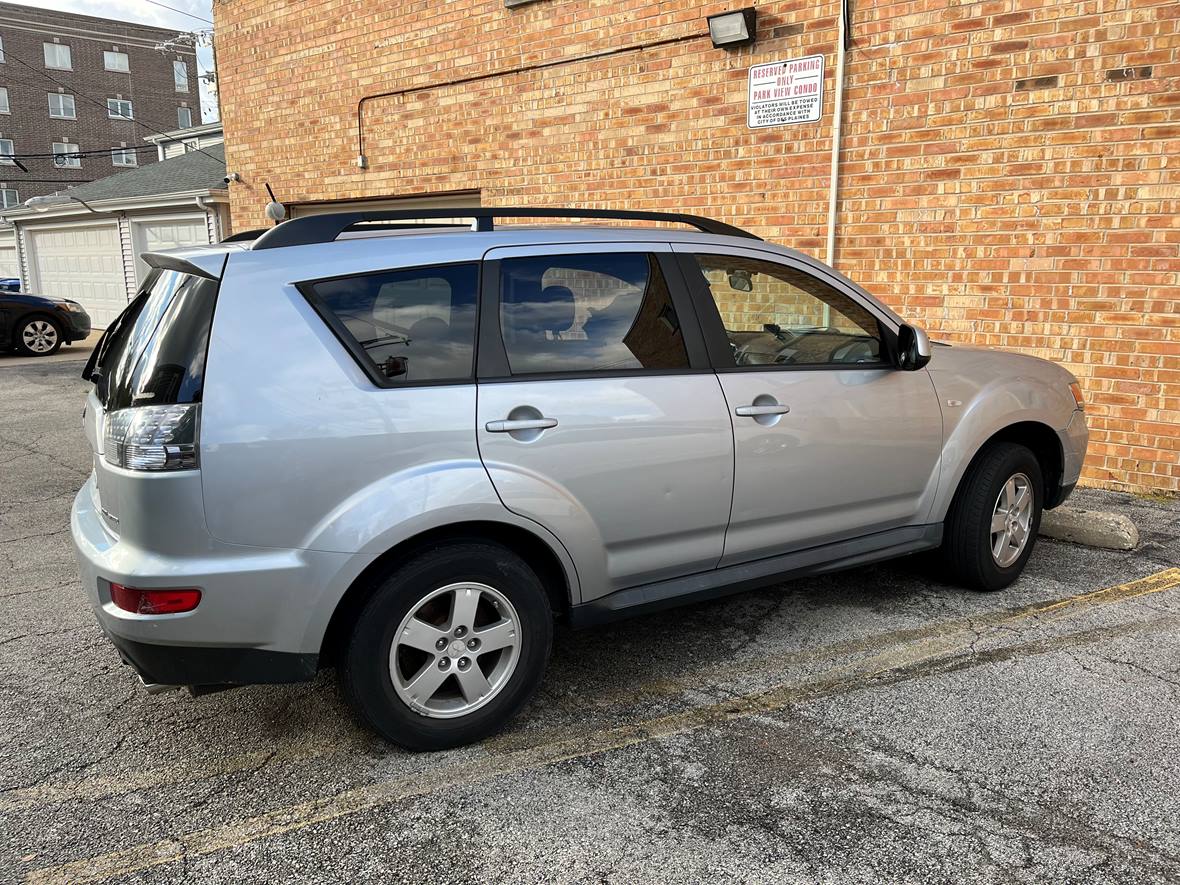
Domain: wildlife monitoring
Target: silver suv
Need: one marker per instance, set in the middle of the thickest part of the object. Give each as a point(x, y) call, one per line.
point(403, 449)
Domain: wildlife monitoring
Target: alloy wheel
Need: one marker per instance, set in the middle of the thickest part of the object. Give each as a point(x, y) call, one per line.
point(455, 650)
point(1011, 523)
point(39, 336)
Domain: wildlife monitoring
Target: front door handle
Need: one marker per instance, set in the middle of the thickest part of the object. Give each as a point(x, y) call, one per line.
point(511, 426)
point(758, 411)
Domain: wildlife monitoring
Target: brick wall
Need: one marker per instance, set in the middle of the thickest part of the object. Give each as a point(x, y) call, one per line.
point(1010, 168)
point(148, 85)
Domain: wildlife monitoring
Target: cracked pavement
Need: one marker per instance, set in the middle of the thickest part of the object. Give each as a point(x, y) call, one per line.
point(866, 726)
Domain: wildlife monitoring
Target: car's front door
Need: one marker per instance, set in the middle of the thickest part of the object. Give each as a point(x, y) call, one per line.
point(598, 414)
point(831, 441)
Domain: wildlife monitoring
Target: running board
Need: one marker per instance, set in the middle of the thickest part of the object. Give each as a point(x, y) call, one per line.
point(752, 575)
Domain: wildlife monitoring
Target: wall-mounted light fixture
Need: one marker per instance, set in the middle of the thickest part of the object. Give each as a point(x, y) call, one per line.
point(729, 30)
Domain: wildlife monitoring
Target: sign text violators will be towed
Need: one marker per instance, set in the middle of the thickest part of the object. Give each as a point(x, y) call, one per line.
point(783, 92)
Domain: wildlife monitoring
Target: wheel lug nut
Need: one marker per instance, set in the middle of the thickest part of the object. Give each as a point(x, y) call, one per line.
point(464, 663)
point(441, 644)
point(472, 644)
point(444, 663)
point(460, 632)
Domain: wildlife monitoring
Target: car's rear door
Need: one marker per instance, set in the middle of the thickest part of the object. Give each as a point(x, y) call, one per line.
point(598, 415)
point(832, 442)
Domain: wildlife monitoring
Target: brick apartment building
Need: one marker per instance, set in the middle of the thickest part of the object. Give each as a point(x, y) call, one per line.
point(1008, 169)
point(75, 83)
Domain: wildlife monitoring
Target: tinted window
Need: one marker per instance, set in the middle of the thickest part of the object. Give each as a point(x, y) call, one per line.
point(588, 313)
point(154, 353)
point(410, 325)
point(778, 315)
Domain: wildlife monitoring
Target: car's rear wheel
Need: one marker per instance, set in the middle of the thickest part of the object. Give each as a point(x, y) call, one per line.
point(38, 336)
point(451, 645)
point(992, 524)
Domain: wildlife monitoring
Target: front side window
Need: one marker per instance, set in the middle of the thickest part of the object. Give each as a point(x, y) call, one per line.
point(65, 155)
point(4, 108)
point(123, 157)
point(184, 118)
point(57, 55)
point(588, 313)
point(61, 106)
point(180, 75)
point(115, 61)
point(9, 198)
point(408, 326)
point(6, 152)
point(119, 109)
point(777, 315)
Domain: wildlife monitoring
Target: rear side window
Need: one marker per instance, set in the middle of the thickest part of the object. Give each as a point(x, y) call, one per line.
point(588, 313)
point(154, 353)
point(405, 326)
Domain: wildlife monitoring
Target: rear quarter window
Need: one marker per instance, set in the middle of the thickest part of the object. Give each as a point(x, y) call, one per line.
point(404, 326)
point(154, 353)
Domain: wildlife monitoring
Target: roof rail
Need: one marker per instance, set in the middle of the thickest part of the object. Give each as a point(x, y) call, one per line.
point(243, 235)
point(326, 228)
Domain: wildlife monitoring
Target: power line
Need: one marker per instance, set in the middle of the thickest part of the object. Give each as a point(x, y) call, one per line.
point(102, 104)
point(174, 9)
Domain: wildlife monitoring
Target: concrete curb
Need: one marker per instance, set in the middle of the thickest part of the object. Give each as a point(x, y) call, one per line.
point(1094, 528)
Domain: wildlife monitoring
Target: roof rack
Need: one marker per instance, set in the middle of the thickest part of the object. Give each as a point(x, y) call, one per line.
point(242, 236)
point(326, 228)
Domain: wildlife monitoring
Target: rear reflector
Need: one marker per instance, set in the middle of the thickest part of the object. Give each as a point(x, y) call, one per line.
point(154, 602)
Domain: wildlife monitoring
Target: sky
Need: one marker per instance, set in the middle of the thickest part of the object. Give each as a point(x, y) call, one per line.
point(157, 13)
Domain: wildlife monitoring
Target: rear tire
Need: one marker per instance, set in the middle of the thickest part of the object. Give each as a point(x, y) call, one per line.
point(449, 648)
point(37, 336)
point(992, 524)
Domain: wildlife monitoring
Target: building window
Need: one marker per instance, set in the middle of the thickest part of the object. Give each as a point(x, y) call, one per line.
point(9, 198)
point(115, 61)
point(184, 118)
point(65, 155)
point(6, 151)
point(124, 157)
point(57, 55)
point(119, 109)
point(1, 49)
point(4, 100)
point(180, 75)
point(61, 106)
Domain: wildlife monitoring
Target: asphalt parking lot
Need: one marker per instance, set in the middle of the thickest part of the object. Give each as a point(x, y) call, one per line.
point(862, 727)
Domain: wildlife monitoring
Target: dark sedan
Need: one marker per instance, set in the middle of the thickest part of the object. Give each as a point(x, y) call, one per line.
point(38, 325)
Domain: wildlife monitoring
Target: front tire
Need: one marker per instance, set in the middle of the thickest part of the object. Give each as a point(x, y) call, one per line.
point(38, 336)
point(449, 648)
point(992, 524)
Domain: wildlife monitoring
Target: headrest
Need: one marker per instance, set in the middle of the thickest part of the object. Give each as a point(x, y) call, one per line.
point(551, 311)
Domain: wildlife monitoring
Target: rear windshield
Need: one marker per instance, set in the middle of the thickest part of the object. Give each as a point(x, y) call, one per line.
point(154, 352)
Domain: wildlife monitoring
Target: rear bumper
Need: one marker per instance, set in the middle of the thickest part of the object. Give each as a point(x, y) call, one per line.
point(213, 665)
point(262, 613)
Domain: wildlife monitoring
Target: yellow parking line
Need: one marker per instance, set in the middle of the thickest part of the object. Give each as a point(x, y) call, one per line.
point(938, 652)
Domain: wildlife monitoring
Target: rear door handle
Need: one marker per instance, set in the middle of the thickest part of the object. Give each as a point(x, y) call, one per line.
point(756, 411)
point(511, 426)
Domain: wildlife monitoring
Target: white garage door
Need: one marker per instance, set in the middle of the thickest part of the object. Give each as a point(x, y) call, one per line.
point(166, 233)
point(8, 263)
point(82, 262)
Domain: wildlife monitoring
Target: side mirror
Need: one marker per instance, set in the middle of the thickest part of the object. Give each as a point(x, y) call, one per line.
point(913, 348)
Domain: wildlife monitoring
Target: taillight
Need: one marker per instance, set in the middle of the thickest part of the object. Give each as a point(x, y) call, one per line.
point(152, 437)
point(155, 602)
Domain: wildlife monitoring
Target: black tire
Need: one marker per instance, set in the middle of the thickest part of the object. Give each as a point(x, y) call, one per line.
point(966, 552)
point(18, 335)
point(364, 670)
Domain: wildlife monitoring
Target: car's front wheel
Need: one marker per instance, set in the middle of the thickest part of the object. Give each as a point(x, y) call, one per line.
point(451, 645)
point(993, 521)
point(38, 336)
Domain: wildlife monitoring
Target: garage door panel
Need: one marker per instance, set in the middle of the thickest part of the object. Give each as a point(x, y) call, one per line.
point(159, 234)
point(83, 263)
